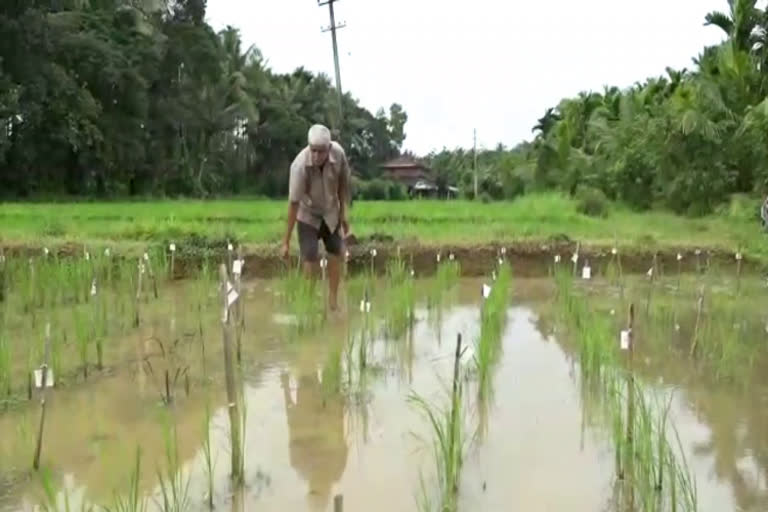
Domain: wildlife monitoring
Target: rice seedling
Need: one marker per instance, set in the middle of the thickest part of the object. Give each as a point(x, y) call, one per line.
point(449, 445)
point(209, 462)
point(174, 487)
point(55, 500)
point(6, 355)
point(171, 371)
point(132, 501)
point(492, 318)
point(448, 273)
point(400, 299)
point(82, 338)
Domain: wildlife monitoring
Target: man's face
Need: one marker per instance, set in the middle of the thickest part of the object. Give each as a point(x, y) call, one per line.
point(319, 154)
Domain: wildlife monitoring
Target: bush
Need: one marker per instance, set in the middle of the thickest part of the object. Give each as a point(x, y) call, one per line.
point(396, 192)
point(374, 190)
point(591, 201)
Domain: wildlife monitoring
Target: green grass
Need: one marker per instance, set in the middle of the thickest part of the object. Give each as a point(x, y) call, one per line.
point(261, 222)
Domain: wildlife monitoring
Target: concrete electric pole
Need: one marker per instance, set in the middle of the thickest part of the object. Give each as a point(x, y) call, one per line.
point(332, 29)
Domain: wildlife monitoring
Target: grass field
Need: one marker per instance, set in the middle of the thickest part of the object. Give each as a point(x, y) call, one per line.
point(261, 223)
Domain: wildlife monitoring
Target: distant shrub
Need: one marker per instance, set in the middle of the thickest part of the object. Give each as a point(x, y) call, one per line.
point(591, 201)
point(374, 190)
point(485, 197)
point(396, 192)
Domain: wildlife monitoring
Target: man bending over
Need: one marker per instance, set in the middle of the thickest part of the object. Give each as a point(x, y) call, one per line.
point(318, 193)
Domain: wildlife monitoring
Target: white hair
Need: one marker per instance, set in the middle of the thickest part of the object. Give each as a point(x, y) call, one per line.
point(319, 135)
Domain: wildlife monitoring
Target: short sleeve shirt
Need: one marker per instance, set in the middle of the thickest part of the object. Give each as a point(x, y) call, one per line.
point(316, 189)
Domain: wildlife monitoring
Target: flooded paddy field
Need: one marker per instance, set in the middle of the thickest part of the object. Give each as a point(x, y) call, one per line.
point(553, 402)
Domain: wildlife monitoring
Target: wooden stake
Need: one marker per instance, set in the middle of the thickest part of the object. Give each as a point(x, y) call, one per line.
point(140, 270)
point(630, 449)
point(232, 399)
point(44, 382)
point(699, 308)
point(239, 312)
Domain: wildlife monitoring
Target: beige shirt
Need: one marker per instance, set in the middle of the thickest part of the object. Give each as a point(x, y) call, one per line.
point(317, 189)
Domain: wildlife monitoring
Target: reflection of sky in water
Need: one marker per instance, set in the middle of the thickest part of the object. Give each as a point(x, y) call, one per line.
point(302, 446)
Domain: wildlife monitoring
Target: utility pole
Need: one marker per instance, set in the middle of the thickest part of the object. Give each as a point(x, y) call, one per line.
point(332, 29)
point(474, 154)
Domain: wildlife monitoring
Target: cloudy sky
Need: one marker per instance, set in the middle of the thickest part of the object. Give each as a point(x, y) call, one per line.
point(493, 65)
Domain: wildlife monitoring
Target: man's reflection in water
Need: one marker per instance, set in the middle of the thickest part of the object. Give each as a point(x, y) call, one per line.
point(317, 445)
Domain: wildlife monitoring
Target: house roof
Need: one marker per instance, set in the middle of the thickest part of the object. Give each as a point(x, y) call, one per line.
point(405, 162)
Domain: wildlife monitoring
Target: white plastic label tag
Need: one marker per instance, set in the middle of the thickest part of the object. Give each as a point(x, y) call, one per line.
point(39, 378)
point(237, 267)
point(624, 339)
point(614, 251)
point(486, 291)
point(575, 257)
point(557, 258)
point(230, 248)
point(93, 288)
point(586, 273)
point(679, 257)
point(172, 247)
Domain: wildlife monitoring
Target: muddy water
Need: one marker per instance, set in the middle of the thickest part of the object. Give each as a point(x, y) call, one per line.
point(534, 450)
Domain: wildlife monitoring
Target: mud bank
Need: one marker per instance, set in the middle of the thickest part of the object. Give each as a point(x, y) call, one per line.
point(529, 259)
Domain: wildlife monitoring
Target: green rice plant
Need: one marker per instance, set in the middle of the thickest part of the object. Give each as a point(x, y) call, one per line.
point(6, 355)
point(493, 315)
point(449, 444)
point(56, 500)
point(448, 449)
point(300, 296)
point(174, 487)
point(209, 462)
point(447, 275)
point(132, 501)
point(82, 338)
point(332, 372)
point(399, 301)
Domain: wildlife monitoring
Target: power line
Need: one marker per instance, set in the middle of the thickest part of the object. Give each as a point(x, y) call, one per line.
point(332, 29)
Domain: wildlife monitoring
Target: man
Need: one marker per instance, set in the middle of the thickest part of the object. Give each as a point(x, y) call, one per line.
point(318, 193)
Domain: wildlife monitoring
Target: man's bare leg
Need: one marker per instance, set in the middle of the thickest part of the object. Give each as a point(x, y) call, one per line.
point(334, 276)
point(311, 269)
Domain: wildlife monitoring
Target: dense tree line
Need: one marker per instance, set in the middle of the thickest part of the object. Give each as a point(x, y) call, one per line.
point(686, 140)
point(136, 97)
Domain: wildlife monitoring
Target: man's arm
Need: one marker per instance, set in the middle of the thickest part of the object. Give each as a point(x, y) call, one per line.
point(344, 193)
point(296, 189)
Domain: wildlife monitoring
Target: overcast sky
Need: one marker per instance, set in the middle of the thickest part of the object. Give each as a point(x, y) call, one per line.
point(494, 65)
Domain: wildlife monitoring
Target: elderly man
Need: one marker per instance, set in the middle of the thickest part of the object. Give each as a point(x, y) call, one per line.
point(318, 193)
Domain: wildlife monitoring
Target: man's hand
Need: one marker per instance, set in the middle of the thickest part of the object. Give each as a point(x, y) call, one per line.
point(286, 249)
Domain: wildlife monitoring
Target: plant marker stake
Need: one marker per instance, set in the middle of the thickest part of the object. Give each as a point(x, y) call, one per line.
point(450, 257)
point(151, 274)
point(234, 409)
point(738, 271)
point(586, 271)
point(557, 258)
point(629, 464)
point(679, 269)
point(46, 251)
point(455, 396)
point(503, 251)
point(172, 248)
point(575, 258)
point(699, 308)
point(486, 291)
point(237, 272)
point(651, 274)
point(44, 384)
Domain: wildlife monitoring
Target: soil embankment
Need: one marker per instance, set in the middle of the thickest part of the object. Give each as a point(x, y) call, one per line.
point(528, 258)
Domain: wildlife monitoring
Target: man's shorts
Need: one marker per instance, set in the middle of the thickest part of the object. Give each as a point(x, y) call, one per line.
point(309, 238)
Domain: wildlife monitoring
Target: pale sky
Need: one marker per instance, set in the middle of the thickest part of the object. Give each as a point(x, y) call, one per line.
point(494, 65)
